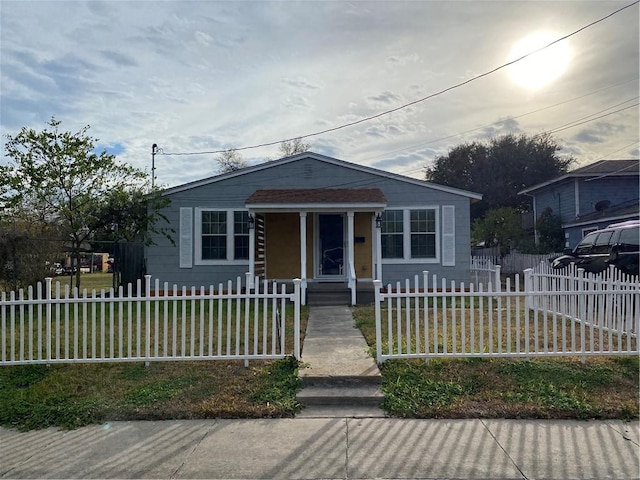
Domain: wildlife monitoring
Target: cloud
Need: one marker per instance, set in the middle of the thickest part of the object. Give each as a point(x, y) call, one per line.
point(112, 149)
point(503, 126)
point(408, 162)
point(119, 59)
point(298, 101)
point(599, 132)
point(300, 82)
point(203, 38)
point(387, 98)
point(401, 60)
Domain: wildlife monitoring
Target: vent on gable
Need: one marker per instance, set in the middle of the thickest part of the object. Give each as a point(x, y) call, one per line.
point(308, 171)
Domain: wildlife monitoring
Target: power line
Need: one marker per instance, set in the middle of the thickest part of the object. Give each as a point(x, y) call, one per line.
point(421, 144)
point(573, 124)
point(414, 102)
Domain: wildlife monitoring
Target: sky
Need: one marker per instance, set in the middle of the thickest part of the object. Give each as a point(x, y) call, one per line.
point(204, 76)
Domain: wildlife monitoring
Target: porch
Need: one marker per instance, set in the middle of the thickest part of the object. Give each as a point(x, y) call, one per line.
point(329, 238)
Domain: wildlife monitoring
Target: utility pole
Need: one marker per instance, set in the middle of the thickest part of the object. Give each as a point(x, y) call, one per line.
point(154, 150)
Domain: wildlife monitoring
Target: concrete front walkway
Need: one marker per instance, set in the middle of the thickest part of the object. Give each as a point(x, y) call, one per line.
point(333, 346)
point(339, 377)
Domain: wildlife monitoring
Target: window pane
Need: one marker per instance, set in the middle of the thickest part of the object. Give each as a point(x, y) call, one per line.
point(423, 246)
point(241, 222)
point(392, 221)
point(214, 223)
point(418, 220)
point(214, 248)
point(629, 240)
point(585, 244)
point(423, 221)
point(241, 247)
point(392, 246)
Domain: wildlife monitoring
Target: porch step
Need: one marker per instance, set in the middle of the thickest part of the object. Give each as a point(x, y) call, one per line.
point(328, 294)
point(346, 392)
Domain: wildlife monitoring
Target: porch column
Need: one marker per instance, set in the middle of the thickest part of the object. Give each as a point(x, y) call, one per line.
point(378, 230)
point(303, 255)
point(252, 249)
point(351, 274)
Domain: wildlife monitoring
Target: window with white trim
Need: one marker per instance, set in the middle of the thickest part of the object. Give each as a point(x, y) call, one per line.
point(423, 233)
point(241, 235)
point(221, 236)
point(410, 234)
point(214, 236)
point(392, 234)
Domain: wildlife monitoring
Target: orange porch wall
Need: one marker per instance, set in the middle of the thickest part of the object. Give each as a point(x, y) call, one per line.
point(282, 232)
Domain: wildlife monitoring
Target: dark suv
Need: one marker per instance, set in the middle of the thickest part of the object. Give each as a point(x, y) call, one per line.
point(617, 245)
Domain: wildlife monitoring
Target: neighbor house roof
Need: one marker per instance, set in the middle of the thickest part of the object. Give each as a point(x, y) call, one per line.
point(608, 168)
point(622, 211)
point(316, 156)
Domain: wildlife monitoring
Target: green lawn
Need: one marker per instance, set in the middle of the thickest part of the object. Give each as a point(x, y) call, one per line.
point(562, 388)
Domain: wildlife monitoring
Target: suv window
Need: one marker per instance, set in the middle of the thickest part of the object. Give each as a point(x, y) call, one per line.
point(585, 244)
point(602, 243)
point(629, 240)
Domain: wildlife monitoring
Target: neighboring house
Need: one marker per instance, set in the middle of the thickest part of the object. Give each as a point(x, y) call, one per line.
point(316, 218)
point(591, 197)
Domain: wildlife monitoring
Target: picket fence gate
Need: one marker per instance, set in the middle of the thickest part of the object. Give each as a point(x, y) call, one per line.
point(235, 322)
point(550, 313)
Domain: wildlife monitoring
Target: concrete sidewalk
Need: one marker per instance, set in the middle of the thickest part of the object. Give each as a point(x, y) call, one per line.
point(328, 448)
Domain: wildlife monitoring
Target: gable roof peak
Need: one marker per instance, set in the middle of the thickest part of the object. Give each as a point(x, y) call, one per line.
point(325, 159)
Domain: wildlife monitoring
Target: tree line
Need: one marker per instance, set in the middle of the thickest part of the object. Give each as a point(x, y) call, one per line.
point(498, 169)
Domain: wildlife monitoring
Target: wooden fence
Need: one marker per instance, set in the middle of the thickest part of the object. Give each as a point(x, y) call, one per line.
point(513, 262)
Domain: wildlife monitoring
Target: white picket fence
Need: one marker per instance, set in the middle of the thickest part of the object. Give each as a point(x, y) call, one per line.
point(485, 270)
point(607, 301)
point(159, 324)
point(548, 314)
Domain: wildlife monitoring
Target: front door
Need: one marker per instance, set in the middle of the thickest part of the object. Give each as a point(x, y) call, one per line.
point(330, 252)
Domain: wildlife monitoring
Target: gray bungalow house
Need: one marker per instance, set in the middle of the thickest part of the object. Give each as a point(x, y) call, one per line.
point(591, 197)
point(317, 218)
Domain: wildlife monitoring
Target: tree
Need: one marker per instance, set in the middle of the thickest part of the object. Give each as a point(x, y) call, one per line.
point(230, 161)
point(58, 178)
point(501, 227)
point(550, 233)
point(500, 169)
point(28, 251)
point(293, 147)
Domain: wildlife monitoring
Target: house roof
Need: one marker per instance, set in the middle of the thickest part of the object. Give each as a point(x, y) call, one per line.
point(322, 158)
point(604, 168)
point(622, 211)
point(291, 199)
point(318, 195)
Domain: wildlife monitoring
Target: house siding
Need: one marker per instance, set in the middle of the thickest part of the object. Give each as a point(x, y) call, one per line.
point(615, 189)
point(162, 259)
point(561, 198)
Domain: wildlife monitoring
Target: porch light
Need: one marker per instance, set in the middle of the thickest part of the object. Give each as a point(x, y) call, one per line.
point(378, 221)
point(251, 221)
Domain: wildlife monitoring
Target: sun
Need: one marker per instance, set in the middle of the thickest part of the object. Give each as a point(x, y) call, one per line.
point(540, 68)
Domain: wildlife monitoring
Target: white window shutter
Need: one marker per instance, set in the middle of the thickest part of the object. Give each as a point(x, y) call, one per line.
point(186, 238)
point(448, 235)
